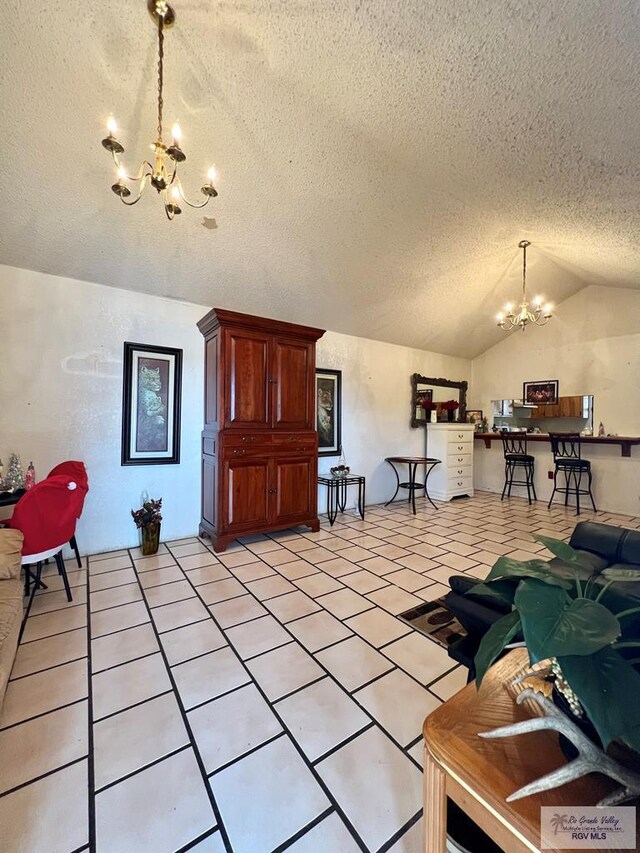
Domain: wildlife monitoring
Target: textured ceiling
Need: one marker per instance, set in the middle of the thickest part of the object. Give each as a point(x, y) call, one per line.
point(379, 161)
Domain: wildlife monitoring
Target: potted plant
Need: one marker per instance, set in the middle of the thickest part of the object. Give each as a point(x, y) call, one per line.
point(430, 409)
point(450, 407)
point(147, 520)
point(588, 634)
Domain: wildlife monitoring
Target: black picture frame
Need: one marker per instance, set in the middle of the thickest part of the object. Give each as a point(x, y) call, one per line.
point(543, 392)
point(418, 418)
point(151, 437)
point(329, 411)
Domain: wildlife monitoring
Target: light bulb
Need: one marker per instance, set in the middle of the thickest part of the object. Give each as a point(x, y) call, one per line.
point(112, 127)
point(500, 317)
point(211, 174)
point(176, 133)
point(175, 192)
point(538, 301)
point(122, 173)
point(548, 308)
point(508, 307)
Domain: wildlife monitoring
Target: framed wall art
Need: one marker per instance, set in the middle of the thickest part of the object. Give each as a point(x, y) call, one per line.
point(329, 411)
point(545, 392)
point(151, 394)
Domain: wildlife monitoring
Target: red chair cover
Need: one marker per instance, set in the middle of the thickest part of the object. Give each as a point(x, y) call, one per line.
point(76, 470)
point(47, 513)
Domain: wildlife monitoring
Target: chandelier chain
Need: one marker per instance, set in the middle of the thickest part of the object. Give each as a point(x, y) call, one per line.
point(160, 71)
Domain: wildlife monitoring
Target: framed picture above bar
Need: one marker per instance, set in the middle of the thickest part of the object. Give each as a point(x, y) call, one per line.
point(329, 411)
point(151, 395)
point(544, 393)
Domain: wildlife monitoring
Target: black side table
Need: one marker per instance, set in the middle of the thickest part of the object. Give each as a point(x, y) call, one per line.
point(412, 484)
point(337, 494)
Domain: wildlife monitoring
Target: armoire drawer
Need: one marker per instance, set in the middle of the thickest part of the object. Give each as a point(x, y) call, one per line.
point(269, 439)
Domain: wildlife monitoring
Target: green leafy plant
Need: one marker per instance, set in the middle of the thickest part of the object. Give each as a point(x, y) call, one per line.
point(568, 613)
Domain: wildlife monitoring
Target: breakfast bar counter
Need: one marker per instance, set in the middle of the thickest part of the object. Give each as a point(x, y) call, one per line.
point(626, 442)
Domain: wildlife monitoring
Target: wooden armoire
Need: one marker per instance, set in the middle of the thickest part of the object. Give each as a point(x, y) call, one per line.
point(259, 442)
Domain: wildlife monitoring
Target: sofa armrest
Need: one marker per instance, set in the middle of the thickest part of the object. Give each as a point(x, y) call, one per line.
point(10, 553)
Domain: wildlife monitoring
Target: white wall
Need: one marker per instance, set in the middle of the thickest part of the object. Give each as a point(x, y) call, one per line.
point(592, 346)
point(61, 344)
point(376, 405)
point(61, 348)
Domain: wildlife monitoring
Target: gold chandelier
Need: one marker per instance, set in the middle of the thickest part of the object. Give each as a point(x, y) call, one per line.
point(537, 314)
point(162, 173)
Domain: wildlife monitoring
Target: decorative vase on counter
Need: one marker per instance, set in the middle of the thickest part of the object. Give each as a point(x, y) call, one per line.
point(150, 538)
point(451, 415)
point(434, 416)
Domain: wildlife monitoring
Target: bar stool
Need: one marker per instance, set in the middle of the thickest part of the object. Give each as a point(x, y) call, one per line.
point(567, 460)
point(514, 446)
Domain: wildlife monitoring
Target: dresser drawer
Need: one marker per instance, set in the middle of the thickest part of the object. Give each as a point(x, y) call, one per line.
point(454, 483)
point(458, 471)
point(459, 437)
point(456, 459)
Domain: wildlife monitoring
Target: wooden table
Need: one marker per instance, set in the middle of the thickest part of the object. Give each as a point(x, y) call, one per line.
point(479, 774)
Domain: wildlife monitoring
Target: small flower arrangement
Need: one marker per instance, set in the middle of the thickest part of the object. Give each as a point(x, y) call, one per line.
point(149, 513)
point(340, 471)
point(428, 405)
point(450, 405)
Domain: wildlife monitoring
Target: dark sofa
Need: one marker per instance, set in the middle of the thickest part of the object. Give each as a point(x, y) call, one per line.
point(602, 545)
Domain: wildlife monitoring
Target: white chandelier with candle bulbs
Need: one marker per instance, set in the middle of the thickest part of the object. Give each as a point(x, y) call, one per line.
point(162, 171)
point(538, 313)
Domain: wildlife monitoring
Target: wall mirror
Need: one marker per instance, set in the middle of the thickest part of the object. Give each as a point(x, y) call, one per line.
point(436, 390)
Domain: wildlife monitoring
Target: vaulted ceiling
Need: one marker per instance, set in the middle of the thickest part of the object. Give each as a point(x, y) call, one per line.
point(379, 161)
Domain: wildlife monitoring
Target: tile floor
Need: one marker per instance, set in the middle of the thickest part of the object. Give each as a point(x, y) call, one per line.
point(258, 700)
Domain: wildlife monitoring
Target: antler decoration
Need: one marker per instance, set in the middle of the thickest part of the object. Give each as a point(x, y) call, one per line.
point(590, 758)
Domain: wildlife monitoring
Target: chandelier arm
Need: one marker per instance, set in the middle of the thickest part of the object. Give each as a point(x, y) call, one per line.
point(141, 174)
point(143, 185)
point(186, 200)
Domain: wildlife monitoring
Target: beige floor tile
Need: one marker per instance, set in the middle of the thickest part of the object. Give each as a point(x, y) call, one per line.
point(150, 813)
point(379, 795)
point(391, 552)
point(109, 564)
point(169, 592)
point(106, 598)
point(320, 717)
point(417, 563)
point(270, 587)
point(237, 558)
point(44, 691)
point(354, 554)
point(283, 670)
point(398, 704)
point(279, 558)
point(237, 610)
point(329, 835)
point(106, 580)
point(401, 541)
point(49, 815)
point(137, 554)
point(353, 662)
point(318, 630)
point(420, 657)
point(188, 540)
point(408, 580)
point(135, 737)
point(211, 844)
point(122, 646)
point(118, 688)
point(291, 606)
point(364, 581)
point(108, 555)
point(426, 550)
point(300, 545)
point(180, 613)
point(207, 574)
point(450, 684)
point(262, 546)
point(54, 582)
point(249, 795)
point(42, 654)
point(244, 717)
point(155, 577)
point(108, 621)
point(298, 569)
point(260, 635)
point(412, 840)
point(378, 627)
point(158, 561)
point(253, 572)
point(47, 602)
point(189, 548)
point(318, 584)
point(208, 676)
point(197, 561)
point(432, 592)
point(393, 599)
point(344, 603)
point(318, 555)
point(379, 566)
point(212, 593)
point(191, 641)
point(55, 622)
point(455, 561)
point(41, 745)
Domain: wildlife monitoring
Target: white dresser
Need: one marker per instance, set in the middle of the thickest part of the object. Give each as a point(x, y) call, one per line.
point(453, 445)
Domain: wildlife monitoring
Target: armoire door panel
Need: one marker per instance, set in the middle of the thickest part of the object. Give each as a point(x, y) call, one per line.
point(209, 489)
point(293, 369)
point(211, 381)
point(247, 380)
point(294, 483)
point(246, 492)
